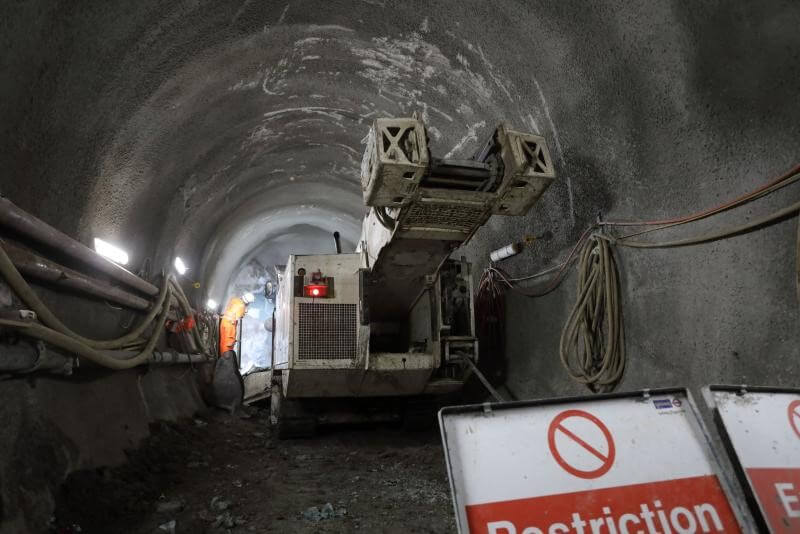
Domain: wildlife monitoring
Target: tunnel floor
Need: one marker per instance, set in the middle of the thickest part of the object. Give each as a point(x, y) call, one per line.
point(220, 473)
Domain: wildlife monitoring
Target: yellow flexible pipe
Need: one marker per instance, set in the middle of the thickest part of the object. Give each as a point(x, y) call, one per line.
point(592, 346)
point(29, 297)
point(76, 346)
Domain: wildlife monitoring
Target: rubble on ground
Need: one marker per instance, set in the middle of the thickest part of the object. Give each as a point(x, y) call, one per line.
point(231, 475)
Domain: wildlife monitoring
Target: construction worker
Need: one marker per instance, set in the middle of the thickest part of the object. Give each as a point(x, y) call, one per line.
point(269, 291)
point(227, 386)
point(236, 309)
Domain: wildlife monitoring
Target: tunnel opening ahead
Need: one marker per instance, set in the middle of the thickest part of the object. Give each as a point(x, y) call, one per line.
point(259, 273)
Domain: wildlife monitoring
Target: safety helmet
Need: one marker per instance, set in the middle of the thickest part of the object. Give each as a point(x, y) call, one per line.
point(248, 298)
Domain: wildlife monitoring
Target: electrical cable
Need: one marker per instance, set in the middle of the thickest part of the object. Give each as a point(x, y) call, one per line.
point(729, 232)
point(208, 329)
point(789, 181)
point(787, 178)
point(490, 298)
point(783, 180)
point(555, 282)
point(187, 311)
point(490, 313)
point(537, 275)
point(53, 331)
point(76, 346)
point(592, 347)
point(711, 236)
point(31, 299)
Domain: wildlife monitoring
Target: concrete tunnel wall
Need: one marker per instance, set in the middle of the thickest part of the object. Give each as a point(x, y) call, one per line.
point(211, 130)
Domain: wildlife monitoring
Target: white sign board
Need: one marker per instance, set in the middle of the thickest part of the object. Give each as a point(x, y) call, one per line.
point(763, 427)
point(612, 464)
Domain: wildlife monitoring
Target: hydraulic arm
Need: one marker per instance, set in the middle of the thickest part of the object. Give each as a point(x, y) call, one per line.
point(425, 207)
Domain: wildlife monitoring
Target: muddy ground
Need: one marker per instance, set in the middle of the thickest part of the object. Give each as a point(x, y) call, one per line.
point(220, 473)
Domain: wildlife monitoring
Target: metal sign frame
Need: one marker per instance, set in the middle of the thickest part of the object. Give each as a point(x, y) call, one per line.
point(756, 510)
point(740, 512)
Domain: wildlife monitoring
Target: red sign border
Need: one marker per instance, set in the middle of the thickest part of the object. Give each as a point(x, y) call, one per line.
point(792, 413)
point(551, 442)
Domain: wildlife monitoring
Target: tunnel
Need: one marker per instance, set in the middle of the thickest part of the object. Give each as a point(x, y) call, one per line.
point(231, 135)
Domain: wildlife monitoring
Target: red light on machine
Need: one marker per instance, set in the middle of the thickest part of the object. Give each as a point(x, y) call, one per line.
point(315, 291)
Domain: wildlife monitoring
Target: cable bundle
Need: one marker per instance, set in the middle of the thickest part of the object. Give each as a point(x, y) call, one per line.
point(490, 312)
point(592, 346)
point(55, 332)
point(592, 343)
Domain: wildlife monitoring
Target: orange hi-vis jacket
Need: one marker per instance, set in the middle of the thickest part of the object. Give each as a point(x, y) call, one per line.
point(227, 324)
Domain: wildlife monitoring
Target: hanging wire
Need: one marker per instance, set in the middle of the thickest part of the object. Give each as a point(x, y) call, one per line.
point(592, 341)
point(592, 347)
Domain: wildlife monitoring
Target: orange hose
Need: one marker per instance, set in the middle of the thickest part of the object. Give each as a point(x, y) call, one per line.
point(707, 213)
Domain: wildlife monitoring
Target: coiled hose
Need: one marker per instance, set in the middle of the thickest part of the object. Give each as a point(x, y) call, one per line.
point(592, 347)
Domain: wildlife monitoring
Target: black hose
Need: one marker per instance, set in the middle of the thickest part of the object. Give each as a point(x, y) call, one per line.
point(337, 242)
point(384, 218)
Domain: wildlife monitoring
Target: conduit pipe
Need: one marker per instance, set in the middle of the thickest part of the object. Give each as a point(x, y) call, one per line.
point(162, 357)
point(24, 358)
point(29, 297)
point(35, 266)
point(22, 222)
point(75, 346)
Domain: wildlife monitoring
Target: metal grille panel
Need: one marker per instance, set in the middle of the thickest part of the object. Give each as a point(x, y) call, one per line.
point(327, 331)
point(441, 215)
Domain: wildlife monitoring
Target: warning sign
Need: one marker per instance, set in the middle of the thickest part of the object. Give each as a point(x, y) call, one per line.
point(619, 464)
point(763, 427)
point(602, 449)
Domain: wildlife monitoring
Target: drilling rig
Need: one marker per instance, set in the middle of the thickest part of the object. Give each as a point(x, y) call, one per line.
point(396, 317)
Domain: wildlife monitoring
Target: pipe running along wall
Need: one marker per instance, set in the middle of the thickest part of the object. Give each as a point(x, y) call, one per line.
point(230, 132)
point(213, 130)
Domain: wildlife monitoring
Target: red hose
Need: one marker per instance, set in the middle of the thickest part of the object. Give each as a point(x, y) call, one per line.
point(706, 213)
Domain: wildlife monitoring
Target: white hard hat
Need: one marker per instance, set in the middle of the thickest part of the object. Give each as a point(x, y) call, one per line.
point(248, 298)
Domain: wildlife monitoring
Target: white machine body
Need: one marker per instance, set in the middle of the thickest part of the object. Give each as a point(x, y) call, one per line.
point(396, 317)
point(323, 349)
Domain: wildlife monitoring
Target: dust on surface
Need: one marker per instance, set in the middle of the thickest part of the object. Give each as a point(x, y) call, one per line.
point(221, 473)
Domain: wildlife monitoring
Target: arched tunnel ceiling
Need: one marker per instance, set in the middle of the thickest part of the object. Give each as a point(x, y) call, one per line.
point(256, 130)
point(209, 129)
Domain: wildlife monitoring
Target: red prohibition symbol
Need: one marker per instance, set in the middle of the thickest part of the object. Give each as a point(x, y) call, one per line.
point(607, 459)
point(794, 416)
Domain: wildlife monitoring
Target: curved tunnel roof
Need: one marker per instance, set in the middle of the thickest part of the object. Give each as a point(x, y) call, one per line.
point(213, 130)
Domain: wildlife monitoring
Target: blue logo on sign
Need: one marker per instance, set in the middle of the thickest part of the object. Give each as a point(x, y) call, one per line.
point(662, 404)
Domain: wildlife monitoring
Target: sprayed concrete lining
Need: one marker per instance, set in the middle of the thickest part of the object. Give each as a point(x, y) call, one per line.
point(227, 131)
